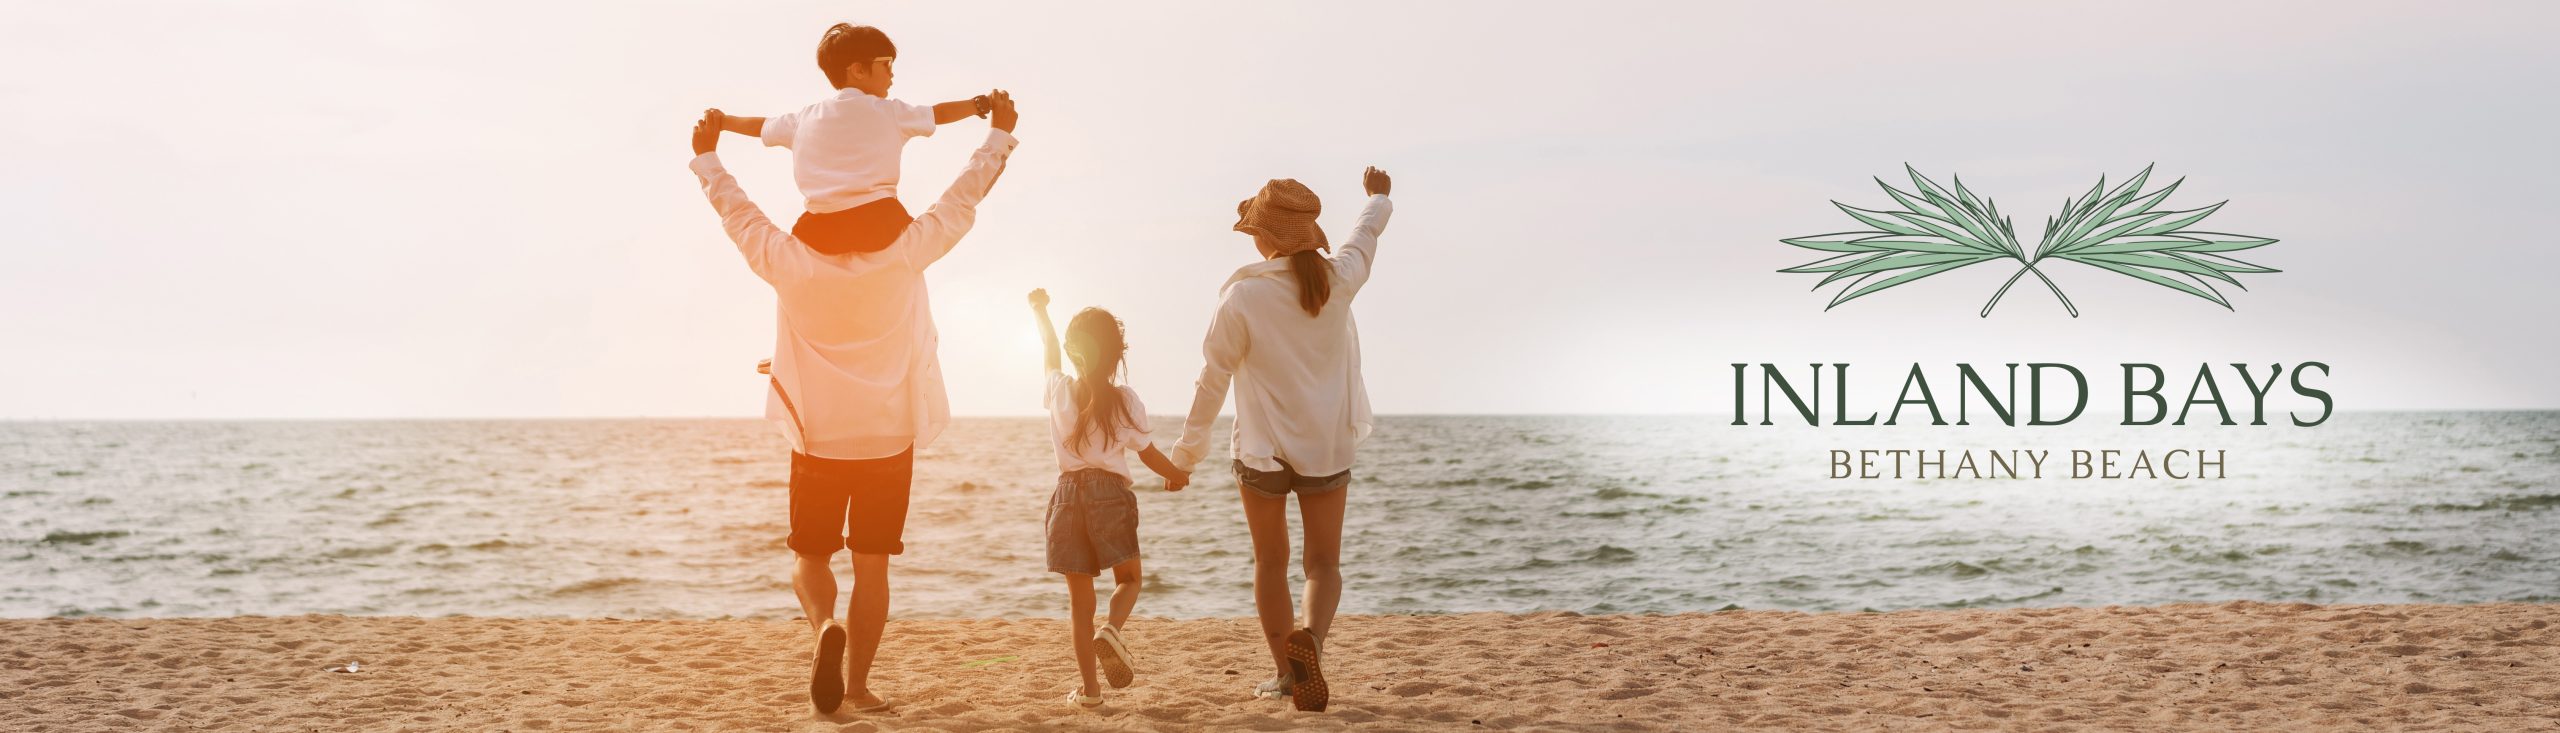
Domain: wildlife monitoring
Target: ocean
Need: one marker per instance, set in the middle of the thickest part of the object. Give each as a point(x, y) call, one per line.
point(1600, 514)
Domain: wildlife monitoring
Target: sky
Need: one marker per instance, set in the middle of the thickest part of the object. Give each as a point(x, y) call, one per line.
point(481, 209)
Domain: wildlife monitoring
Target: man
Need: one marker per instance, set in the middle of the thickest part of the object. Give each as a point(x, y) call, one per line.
point(856, 389)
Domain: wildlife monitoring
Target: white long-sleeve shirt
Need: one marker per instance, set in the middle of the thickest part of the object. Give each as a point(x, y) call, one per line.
point(855, 348)
point(1299, 397)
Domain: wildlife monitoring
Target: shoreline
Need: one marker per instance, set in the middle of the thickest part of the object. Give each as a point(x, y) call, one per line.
point(2237, 665)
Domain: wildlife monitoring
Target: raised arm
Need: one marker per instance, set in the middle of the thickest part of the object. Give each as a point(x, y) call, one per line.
point(771, 252)
point(748, 126)
point(1221, 352)
point(950, 112)
point(1361, 248)
point(1048, 333)
point(942, 225)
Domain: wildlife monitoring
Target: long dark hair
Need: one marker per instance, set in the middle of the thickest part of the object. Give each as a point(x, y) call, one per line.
point(1315, 279)
point(1096, 343)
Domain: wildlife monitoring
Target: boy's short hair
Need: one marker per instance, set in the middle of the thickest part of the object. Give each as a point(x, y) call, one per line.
point(846, 44)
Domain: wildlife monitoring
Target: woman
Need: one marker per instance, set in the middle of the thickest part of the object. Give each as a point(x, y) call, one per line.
point(1284, 336)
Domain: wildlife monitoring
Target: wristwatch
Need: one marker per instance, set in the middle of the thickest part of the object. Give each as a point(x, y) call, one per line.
point(983, 106)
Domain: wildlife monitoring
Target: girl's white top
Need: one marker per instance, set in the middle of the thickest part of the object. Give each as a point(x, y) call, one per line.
point(1108, 448)
point(1299, 397)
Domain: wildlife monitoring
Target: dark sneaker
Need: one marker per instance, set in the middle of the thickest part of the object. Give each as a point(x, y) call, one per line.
point(826, 672)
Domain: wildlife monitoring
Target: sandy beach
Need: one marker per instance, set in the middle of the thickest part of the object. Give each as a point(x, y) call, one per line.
point(2235, 666)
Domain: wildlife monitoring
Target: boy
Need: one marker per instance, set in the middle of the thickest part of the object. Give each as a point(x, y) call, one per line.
point(845, 149)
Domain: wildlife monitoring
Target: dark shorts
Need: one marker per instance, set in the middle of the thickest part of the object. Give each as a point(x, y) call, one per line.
point(870, 227)
point(1093, 522)
point(870, 496)
point(1278, 484)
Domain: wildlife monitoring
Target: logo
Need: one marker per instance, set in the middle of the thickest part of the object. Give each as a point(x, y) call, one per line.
point(2116, 230)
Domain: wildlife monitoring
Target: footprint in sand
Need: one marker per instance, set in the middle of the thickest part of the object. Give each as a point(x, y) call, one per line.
point(1416, 689)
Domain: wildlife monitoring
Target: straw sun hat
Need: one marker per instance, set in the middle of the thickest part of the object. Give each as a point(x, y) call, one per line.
point(1285, 211)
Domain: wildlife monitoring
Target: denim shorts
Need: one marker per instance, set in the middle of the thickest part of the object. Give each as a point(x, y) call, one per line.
point(1093, 522)
point(1278, 484)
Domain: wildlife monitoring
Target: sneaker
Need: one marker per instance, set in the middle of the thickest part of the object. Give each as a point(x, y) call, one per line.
point(1117, 664)
point(826, 672)
point(1308, 691)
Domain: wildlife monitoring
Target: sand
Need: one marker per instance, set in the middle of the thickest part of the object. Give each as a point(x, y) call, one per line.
point(2237, 666)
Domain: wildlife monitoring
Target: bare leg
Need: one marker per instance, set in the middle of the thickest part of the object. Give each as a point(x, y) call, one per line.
point(1080, 623)
point(1321, 517)
point(815, 583)
point(866, 615)
point(1268, 519)
point(1125, 581)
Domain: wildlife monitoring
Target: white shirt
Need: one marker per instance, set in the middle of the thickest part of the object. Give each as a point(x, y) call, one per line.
point(854, 349)
point(1109, 448)
point(1299, 397)
point(844, 149)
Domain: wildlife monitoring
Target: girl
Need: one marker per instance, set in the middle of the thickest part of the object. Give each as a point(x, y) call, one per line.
point(1093, 519)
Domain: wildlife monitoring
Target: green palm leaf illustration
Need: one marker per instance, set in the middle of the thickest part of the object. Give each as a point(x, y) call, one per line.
point(1939, 229)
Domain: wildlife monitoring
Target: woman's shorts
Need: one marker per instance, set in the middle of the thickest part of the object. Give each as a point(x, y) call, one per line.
point(1093, 522)
point(1278, 484)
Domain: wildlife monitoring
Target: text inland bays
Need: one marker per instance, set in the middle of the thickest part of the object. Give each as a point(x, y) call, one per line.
point(2174, 464)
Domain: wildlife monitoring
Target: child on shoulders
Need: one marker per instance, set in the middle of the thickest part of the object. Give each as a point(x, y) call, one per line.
point(845, 148)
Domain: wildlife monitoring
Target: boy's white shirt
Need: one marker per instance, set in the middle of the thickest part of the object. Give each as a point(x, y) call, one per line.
point(1299, 395)
point(1108, 451)
point(855, 346)
point(845, 148)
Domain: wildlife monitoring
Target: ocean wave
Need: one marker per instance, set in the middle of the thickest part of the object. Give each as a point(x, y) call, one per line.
point(1607, 555)
point(1613, 492)
point(66, 537)
point(2532, 502)
point(597, 585)
point(1955, 569)
point(352, 553)
point(1996, 601)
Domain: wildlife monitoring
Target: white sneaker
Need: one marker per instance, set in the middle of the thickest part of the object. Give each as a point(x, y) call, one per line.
point(1275, 688)
point(1117, 664)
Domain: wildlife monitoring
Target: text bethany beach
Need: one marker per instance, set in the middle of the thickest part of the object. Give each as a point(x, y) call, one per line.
point(2076, 463)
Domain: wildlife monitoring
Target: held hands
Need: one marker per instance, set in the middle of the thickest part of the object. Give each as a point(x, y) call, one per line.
point(1176, 480)
point(1375, 181)
point(706, 133)
point(1005, 117)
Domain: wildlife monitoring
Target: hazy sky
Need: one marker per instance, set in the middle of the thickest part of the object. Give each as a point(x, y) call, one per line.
point(384, 209)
